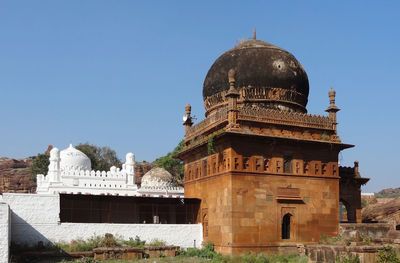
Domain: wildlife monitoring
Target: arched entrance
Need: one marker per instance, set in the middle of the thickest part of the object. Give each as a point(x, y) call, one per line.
point(286, 220)
point(348, 212)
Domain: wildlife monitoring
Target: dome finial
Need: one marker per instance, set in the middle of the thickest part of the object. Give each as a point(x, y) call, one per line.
point(254, 34)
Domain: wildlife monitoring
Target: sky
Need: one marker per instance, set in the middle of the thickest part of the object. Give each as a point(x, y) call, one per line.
point(119, 73)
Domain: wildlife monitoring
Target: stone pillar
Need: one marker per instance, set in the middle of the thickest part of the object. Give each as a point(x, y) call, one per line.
point(130, 169)
point(231, 96)
point(187, 118)
point(54, 166)
point(5, 232)
point(332, 109)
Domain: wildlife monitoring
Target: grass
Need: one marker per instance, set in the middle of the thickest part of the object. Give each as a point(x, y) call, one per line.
point(207, 254)
point(246, 258)
point(194, 255)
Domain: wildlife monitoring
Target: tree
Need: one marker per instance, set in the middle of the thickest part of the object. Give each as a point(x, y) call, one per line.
point(102, 158)
point(40, 165)
point(172, 165)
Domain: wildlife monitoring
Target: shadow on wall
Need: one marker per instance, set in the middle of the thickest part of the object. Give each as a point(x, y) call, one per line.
point(29, 245)
point(22, 233)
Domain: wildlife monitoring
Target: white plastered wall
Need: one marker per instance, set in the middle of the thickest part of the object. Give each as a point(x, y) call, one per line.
point(4, 233)
point(36, 218)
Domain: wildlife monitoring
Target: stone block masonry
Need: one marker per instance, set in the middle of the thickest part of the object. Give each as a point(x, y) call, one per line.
point(4, 232)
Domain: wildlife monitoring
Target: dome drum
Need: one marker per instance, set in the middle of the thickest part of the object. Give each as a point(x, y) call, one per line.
point(266, 97)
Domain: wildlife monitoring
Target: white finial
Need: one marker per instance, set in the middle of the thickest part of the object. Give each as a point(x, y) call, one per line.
point(70, 145)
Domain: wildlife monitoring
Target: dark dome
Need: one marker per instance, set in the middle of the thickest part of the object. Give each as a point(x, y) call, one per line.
point(260, 65)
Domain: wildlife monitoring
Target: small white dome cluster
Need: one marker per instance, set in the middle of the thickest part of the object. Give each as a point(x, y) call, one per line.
point(70, 171)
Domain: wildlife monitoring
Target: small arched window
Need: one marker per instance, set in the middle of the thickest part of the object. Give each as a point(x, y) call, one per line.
point(286, 226)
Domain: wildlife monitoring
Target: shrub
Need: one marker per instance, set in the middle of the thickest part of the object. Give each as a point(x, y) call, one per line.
point(40, 164)
point(134, 242)
point(388, 255)
point(88, 245)
point(157, 243)
point(206, 252)
point(348, 259)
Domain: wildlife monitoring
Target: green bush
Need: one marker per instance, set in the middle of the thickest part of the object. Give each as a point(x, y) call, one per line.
point(157, 243)
point(134, 242)
point(87, 245)
point(388, 255)
point(348, 259)
point(40, 165)
point(207, 252)
point(172, 165)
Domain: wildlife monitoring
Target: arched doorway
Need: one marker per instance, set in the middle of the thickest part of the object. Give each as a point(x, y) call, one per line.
point(286, 226)
point(347, 213)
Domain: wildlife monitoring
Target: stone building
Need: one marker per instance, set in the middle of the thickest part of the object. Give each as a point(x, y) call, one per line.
point(265, 170)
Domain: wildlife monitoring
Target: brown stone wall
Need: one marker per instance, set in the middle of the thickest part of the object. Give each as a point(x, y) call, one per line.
point(216, 207)
point(246, 189)
point(258, 209)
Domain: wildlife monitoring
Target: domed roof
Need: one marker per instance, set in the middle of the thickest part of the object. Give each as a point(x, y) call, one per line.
point(273, 71)
point(73, 159)
point(157, 178)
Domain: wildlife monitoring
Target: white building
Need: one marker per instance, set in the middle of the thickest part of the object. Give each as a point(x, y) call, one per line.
point(70, 172)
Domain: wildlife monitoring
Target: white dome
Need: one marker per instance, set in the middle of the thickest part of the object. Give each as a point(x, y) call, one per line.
point(73, 159)
point(157, 178)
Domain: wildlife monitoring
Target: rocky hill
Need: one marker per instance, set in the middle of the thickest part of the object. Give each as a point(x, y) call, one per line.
point(383, 212)
point(15, 176)
point(388, 193)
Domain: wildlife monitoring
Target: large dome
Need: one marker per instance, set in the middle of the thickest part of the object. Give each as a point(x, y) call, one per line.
point(73, 159)
point(265, 75)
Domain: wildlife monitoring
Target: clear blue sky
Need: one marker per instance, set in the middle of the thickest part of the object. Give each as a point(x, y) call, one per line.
point(119, 73)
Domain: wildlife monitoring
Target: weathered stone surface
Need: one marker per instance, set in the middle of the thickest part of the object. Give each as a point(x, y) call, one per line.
point(15, 176)
point(330, 253)
point(395, 234)
point(351, 231)
point(387, 212)
point(117, 253)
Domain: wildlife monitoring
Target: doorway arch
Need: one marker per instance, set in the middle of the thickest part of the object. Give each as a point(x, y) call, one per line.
point(286, 220)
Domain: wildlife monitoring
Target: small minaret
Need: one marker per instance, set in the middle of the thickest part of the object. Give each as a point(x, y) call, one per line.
point(130, 169)
point(231, 96)
point(187, 118)
point(54, 166)
point(356, 171)
point(332, 109)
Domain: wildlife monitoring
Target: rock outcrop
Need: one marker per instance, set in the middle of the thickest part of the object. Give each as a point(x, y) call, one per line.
point(388, 193)
point(386, 212)
point(15, 176)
